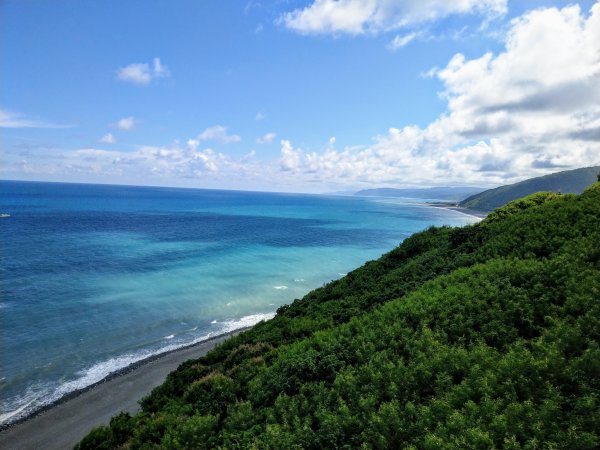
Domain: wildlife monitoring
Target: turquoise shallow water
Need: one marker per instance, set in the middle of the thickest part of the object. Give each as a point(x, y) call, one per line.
point(95, 277)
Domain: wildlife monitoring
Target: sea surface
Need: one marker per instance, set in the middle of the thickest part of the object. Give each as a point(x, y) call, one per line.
point(96, 277)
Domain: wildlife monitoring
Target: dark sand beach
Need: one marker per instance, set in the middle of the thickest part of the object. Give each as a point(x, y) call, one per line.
point(67, 422)
point(460, 209)
point(470, 212)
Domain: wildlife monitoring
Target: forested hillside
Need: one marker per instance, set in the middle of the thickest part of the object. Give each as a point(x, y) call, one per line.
point(566, 182)
point(486, 336)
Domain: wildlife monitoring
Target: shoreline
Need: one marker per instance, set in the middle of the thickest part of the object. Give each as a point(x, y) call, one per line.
point(469, 212)
point(42, 428)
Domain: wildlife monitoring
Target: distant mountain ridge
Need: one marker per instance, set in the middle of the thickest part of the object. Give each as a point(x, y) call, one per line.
point(566, 182)
point(449, 193)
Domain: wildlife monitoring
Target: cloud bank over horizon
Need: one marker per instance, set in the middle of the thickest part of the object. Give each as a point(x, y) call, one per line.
point(531, 108)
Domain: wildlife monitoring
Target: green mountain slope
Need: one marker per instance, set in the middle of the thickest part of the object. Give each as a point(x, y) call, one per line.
point(567, 182)
point(486, 336)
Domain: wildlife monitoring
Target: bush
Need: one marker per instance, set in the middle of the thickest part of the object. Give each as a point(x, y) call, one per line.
point(486, 336)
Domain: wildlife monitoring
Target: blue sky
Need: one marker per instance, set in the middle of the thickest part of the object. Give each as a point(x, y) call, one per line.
point(309, 96)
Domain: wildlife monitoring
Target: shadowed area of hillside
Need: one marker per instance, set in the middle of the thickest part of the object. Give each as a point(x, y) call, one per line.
point(567, 182)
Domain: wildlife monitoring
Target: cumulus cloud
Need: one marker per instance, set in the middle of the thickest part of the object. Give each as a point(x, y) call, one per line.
point(291, 159)
point(108, 138)
point(374, 16)
point(266, 139)
point(13, 120)
point(142, 74)
point(126, 123)
point(182, 160)
point(510, 116)
point(218, 133)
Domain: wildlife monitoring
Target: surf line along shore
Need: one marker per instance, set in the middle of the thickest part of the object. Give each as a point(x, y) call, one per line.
point(66, 422)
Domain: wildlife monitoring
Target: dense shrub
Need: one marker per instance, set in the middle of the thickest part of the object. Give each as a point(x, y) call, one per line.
point(486, 336)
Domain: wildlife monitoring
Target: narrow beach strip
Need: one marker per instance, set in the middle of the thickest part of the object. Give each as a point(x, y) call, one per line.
point(453, 207)
point(65, 423)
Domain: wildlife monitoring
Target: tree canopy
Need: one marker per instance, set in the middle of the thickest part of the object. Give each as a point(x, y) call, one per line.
point(485, 336)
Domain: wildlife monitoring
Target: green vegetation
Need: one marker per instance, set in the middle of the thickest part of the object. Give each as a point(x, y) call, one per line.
point(486, 336)
point(567, 182)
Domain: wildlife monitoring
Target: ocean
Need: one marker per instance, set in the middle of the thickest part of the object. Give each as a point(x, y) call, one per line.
point(96, 277)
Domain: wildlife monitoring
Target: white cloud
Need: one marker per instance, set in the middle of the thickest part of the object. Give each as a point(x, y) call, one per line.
point(531, 109)
point(12, 120)
point(266, 139)
point(143, 74)
point(260, 116)
point(218, 133)
point(126, 123)
point(291, 159)
point(510, 116)
point(374, 16)
point(135, 73)
point(160, 161)
point(401, 41)
point(108, 138)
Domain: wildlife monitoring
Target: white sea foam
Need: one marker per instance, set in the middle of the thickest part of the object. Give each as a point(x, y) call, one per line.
point(5, 417)
point(246, 321)
point(171, 336)
point(39, 396)
point(299, 280)
point(282, 287)
point(342, 274)
point(46, 394)
point(214, 321)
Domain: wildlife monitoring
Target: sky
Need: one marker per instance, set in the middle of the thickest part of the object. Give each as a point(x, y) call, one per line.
point(298, 96)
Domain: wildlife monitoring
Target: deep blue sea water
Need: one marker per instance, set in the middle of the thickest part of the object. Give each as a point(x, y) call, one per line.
point(96, 277)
